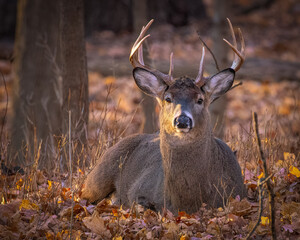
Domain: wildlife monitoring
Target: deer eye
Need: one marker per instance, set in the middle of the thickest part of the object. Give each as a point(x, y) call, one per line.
point(168, 99)
point(200, 101)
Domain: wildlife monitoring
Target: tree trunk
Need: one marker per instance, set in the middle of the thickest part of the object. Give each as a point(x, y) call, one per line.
point(50, 80)
point(36, 101)
point(74, 73)
point(150, 123)
point(220, 49)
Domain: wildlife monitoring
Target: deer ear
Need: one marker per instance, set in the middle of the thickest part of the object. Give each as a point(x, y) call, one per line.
point(148, 82)
point(219, 83)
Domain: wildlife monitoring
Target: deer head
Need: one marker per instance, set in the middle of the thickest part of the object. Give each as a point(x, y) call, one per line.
point(184, 101)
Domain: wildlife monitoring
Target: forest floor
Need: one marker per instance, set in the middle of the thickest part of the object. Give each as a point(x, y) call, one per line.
point(43, 205)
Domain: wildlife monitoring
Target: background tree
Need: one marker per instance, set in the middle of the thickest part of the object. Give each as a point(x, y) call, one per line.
point(74, 73)
point(220, 50)
point(150, 122)
point(36, 101)
point(49, 64)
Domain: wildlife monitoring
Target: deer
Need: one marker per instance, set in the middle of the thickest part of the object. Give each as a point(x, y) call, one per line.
point(183, 165)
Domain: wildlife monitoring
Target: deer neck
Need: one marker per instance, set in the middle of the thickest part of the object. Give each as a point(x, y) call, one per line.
point(184, 165)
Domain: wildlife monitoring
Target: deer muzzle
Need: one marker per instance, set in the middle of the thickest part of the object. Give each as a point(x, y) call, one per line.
point(183, 123)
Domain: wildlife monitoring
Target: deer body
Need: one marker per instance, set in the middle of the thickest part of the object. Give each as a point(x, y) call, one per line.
point(181, 167)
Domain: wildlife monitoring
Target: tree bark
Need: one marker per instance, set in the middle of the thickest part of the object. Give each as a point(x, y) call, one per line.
point(150, 122)
point(74, 72)
point(50, 80)
point(36, 101)
point(217, 109)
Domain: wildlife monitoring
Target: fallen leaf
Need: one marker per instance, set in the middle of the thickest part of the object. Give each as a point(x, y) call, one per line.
point(19, 183)
point(184, 237)
point(241, 208)
point(8, 210)
point(27, 204)
point(289, 156)
point(172, 227)
point(288, 209)
point(260, 175)
point(279, 163)
point(288, 228)
point(150, 217)
point(97, 225)
point(295, 171)
point(68, 211)
point(118, 238)
point(49, 185)
point(264, 221)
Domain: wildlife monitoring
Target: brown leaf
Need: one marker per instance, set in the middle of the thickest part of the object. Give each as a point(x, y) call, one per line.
point(150, 217)
point(171, 227)
point(7, 210)
point(97, 225)
point(288, 209)
point(241, 208)
point(105, 206)
point(67, 211)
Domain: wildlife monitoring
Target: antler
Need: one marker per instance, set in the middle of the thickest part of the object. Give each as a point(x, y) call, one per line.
point(137, 60)
point(239, 55)
point(200, 80)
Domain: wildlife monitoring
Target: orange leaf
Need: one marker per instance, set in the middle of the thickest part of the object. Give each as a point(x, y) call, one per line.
point(26, 204)
point(279, 163)
point(184, 237)
point(49, 185)
point(117, 238)
point(295, 171)
point(20, 183)
point(115, 212)
point(289, 156)
point(260, 176)
point(265, 221)
point(80, 171)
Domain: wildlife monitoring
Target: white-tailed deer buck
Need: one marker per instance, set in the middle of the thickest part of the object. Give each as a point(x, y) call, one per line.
point(183, 166)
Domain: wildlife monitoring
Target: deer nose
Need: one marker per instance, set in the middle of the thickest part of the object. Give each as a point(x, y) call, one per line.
point(183, 122)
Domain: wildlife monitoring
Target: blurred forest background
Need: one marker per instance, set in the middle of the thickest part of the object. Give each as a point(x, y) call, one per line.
point(70, 58)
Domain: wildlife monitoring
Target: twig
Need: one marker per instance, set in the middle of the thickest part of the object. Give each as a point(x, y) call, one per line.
point(266, 176)
point(236, 85)
point(71, 174)
point(265, 179)
point(260, 208)
point(210, 51)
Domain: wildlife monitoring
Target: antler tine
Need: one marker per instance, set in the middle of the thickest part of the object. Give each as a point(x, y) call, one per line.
point(136, 56)
point(137, 46)
point(239, 55)
point(140, 53)
point(200, 81)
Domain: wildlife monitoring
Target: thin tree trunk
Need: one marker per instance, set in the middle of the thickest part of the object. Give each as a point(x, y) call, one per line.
point(150, 123)
point(74, 72)
point(36, 102)
point(217, 109)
